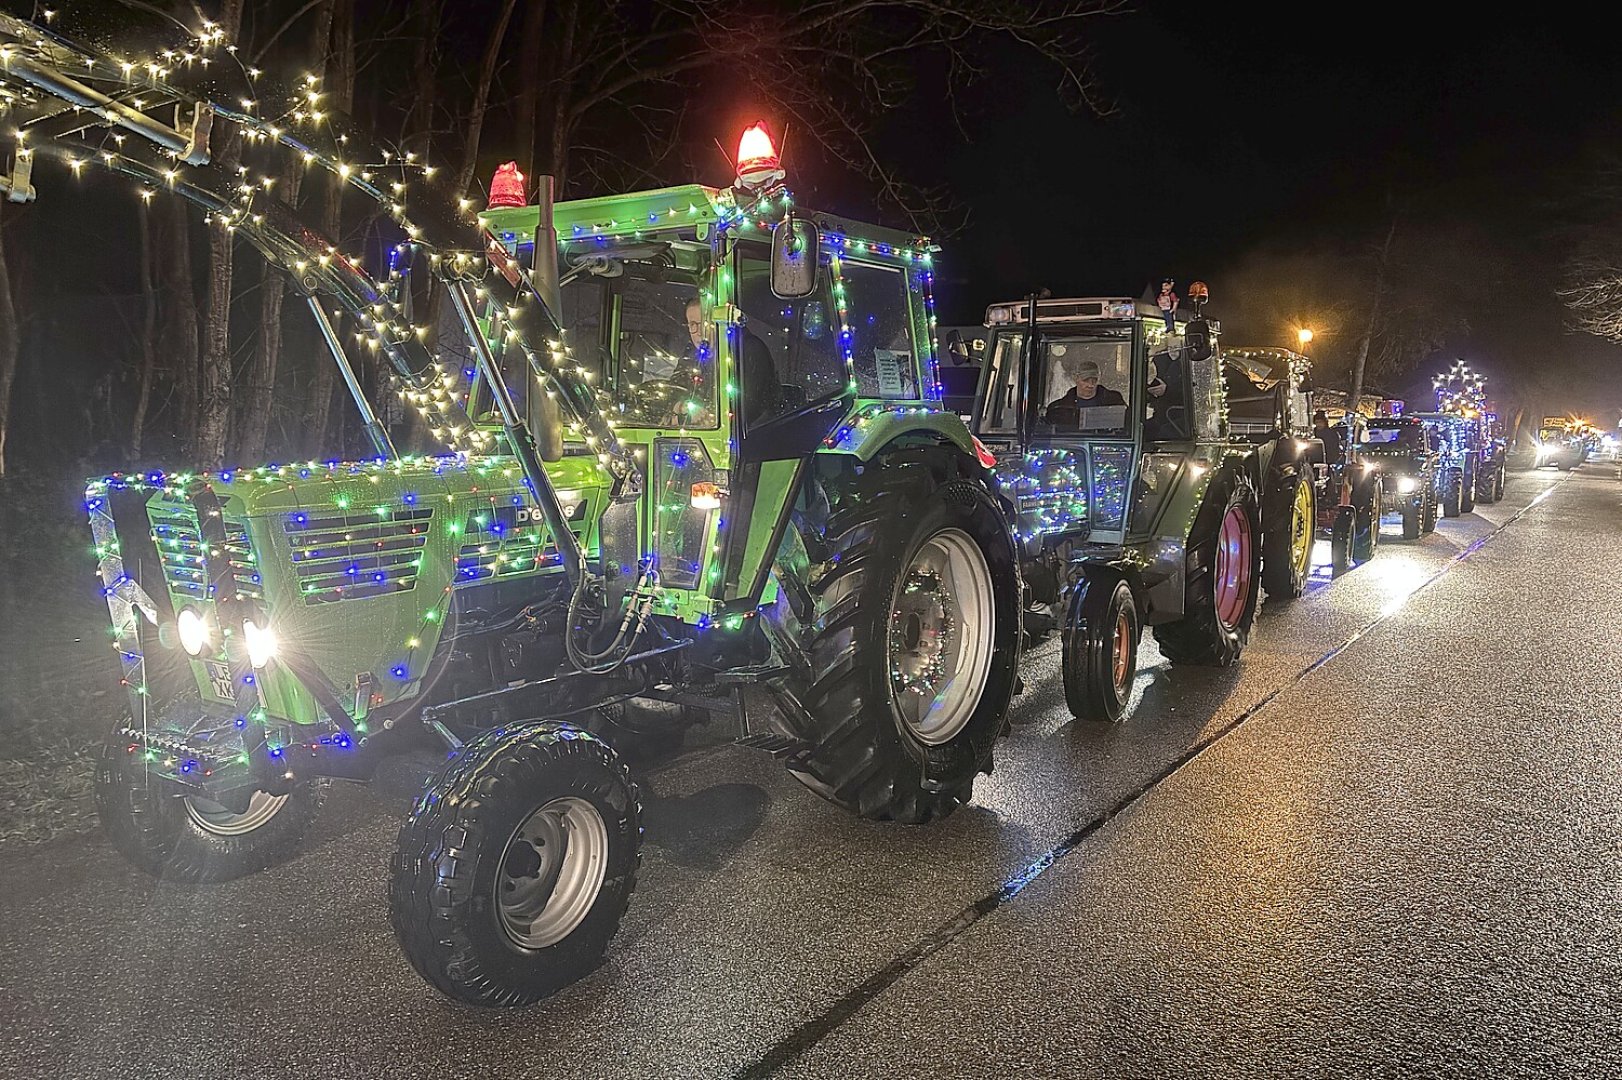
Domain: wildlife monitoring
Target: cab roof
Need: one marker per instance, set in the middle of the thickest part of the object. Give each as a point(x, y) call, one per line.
point(1081, 309)
point(689, 206)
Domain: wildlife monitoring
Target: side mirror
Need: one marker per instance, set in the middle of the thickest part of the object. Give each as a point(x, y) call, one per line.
point(1197, 340)
point(794, 258)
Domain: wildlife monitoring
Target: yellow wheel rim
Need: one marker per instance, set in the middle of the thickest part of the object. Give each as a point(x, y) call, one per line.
point(1301, 529)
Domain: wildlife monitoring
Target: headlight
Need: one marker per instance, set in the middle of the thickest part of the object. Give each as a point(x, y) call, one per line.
point(261, 643)
point(1407, 485)
point(193, 630)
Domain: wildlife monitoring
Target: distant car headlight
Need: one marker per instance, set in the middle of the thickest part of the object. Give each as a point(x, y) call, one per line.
point(1407, 485)
point(192, 629)
point(261, 642)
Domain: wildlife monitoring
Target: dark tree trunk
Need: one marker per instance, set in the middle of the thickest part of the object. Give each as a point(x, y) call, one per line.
point(340, 83)
point(529, 86)
point(10, 342)
point(1374, 319)
point(214, 384)
point(425, 22)
point(481, 97)
point(178, 292)
point(149, 333)
point(253, 421)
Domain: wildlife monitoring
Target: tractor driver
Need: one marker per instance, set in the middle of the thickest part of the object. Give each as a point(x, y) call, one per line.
point(762, 393)
point(1088, 393)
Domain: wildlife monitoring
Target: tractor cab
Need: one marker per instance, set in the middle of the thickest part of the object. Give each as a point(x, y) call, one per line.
point(1073, 392)
point(730, 337)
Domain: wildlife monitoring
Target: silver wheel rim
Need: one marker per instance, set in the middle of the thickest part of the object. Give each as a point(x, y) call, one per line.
point(551, 873)
point(210, 816)
point(940, 637)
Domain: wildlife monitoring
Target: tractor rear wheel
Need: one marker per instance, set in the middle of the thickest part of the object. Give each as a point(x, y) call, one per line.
point(1101, 638)
point(1467, 491)
point(188, 838)
point(905, 644)
point(514, 868)
point(1224, 578)
point(1366, 534)
point(1291, 518)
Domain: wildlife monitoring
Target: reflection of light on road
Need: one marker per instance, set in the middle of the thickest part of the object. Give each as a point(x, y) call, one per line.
point(1322, 555)
point(1396, 576)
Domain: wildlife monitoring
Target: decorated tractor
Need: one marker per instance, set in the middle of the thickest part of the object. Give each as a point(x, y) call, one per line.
point(1404, 452)
point(1268, 393)
point(1136, 505)
point(1458, 444)
point(692, 463)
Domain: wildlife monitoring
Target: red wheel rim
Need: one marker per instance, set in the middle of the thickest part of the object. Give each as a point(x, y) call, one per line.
point(1121, 652)
point(1232, 567)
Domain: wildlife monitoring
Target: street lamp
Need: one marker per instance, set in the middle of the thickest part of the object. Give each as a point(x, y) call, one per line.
point(1304, 336)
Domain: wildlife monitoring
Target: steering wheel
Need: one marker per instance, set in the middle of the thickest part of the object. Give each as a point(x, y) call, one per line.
point(665, 399)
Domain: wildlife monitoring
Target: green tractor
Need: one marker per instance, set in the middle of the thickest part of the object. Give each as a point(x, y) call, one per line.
point(693, 463)
point(1136, 504)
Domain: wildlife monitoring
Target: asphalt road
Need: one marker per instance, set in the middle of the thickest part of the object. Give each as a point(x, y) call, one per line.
point(1387, 843)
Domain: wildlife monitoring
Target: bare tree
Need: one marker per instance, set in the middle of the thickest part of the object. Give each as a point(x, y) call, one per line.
point(481, 95)
point(1592, 291)
point(833, 67)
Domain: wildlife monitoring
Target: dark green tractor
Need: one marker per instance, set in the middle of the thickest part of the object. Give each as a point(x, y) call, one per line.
point(1137, 505)
point(1268, 392)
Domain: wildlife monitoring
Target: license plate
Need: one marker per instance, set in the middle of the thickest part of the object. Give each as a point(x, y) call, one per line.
point(220, 675)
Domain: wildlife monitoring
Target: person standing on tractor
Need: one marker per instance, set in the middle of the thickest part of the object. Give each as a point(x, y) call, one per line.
point(1330, 436)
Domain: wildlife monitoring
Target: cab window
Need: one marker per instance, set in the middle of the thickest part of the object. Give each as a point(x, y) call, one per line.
point(787, 351)
point(878, 311)
point(1000, 413)
point(1086, 383)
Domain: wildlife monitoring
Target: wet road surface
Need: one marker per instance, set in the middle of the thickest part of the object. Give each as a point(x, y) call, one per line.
point(1387, 842)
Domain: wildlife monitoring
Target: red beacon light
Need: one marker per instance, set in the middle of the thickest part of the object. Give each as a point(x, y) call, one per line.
point(758, 162)
point(507, 191)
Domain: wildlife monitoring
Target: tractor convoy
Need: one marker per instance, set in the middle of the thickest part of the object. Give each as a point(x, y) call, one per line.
point(686, 459)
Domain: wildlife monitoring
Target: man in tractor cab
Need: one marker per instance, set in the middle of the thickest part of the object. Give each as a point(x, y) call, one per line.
point(1334, 449)
point(1087, 393)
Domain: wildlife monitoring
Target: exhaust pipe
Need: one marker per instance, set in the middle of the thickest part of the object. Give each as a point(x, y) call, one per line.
point(545, 418)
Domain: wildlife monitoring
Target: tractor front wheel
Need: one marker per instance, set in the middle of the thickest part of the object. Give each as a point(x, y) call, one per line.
point(1224, 578)
point(1101, 638)
point(1453, 494)
point(514, 868)
point(906, 648)
point(1340, 540)
point(188, 838)
point(1413, 517)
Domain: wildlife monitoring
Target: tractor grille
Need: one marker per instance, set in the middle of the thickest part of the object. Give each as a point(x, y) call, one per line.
point(341, 557)
point(180, 549)
point(495, 552)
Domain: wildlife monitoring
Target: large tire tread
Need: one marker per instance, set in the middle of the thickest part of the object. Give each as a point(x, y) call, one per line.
point(147, 822)
point(437, 903)
point(858, 756)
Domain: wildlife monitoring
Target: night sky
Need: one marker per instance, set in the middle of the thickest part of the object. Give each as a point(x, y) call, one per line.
point(1245, 129)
